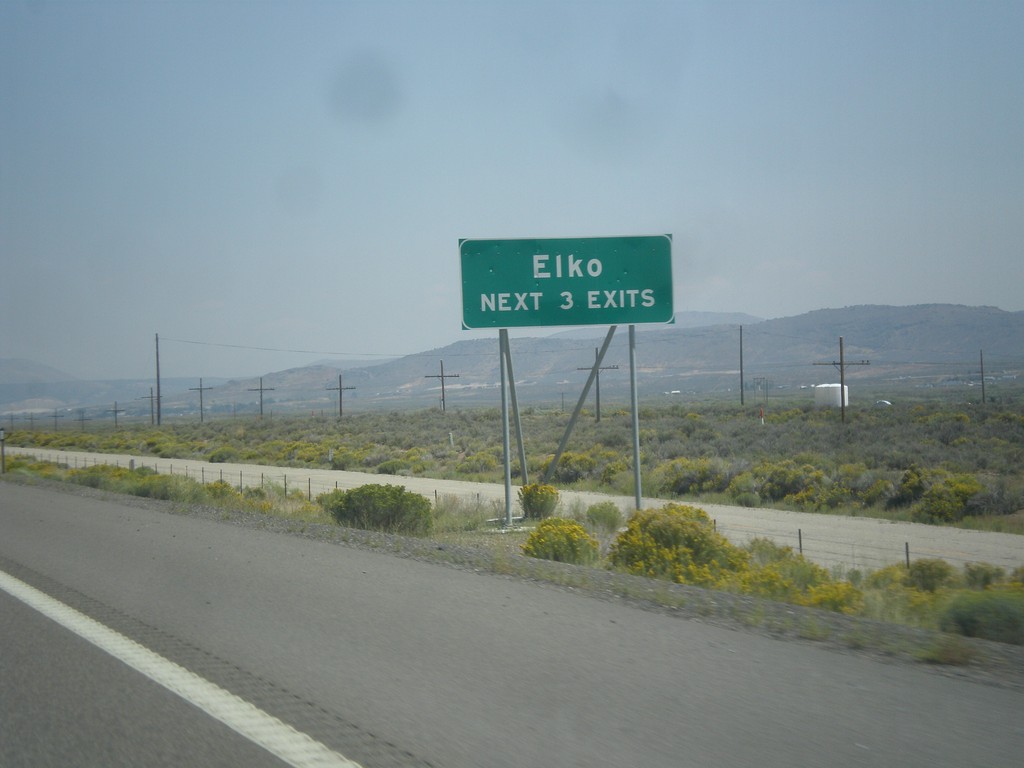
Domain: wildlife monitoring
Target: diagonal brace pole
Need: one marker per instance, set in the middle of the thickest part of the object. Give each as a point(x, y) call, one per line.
point(550, 471)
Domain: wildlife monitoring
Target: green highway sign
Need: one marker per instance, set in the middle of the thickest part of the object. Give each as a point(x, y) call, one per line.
point(566, 281)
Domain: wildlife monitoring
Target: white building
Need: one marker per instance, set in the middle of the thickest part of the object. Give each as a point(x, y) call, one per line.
point(827, 396)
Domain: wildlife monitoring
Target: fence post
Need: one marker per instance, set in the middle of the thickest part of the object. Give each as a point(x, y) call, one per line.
point(906, 549)
point(800, 539)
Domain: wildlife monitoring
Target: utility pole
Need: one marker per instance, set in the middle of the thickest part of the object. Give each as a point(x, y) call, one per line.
point(158, 379)
point(56, 416)
point(597, 378)
point(982, 358)
point(152, 399)
point(340, 390)
point(82, 418)
point(761, 383)
point(200, 389)
point(741, 365)
point(841, 365)
point(442, 377)
point(261, 389)
point(115, 410)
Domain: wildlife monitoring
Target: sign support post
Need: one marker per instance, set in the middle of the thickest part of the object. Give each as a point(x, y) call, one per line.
point(505, 442)
point(522, 283)
point(635, 408)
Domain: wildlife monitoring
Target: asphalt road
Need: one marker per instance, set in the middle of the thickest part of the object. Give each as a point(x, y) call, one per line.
point(390, 661)
point(831, 540)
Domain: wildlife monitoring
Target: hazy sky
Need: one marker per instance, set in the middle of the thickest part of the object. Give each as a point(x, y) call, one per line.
point(296, 175)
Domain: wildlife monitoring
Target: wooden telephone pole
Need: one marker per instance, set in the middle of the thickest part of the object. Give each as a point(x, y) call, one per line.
point(115, 410)
point(841, 365)
point(597, 379)
point(442, 377)
point(200, 389)
point(340, 390)
point(261, 389)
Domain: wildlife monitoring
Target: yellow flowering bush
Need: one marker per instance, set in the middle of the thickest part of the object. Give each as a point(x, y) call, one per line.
point(538, 500)
point(561, 540)
point(679, 543)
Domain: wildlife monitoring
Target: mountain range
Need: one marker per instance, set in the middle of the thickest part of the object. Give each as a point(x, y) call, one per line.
point(884, 347)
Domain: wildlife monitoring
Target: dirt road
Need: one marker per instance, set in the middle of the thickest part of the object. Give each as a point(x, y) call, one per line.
point(837, 541)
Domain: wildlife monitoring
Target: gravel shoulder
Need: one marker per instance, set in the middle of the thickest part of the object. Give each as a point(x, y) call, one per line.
point(987, 662)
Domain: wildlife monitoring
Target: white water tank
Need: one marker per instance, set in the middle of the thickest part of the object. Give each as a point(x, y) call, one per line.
point(827, 396)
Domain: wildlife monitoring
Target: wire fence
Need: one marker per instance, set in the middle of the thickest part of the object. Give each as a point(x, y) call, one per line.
point(842, 543)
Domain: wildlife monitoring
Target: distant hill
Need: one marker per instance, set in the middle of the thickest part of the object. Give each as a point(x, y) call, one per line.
point(17, 371)
point(927, 345)
point(682, 320)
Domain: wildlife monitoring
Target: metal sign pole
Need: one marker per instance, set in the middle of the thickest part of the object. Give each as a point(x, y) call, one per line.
point(505, 441)
point(636, 414)
point(507, 352)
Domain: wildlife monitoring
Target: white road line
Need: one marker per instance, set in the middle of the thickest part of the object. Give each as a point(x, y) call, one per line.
point(291, 746)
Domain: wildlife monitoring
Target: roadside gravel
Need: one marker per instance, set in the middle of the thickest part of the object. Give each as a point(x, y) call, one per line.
point(985, 662)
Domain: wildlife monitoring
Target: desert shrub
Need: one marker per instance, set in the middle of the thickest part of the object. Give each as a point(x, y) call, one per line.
point(254, 493)
point(838, 596)
point(982, 575)
point(538, 500)
point(749, 500)
point(744, 486)
point(911, 487)
point(220, 489)
point(605, 516)
point(91, 477)
point(778, 573)
point(885, 578)
point(344, 458)
point(785, 478)
point(676, 542)
point(481, 461)
point(946, 501)
point(612, 470)
point(163, 487)
point(460, 513)
point(930, 574)
point(573, 467)
point(764, 551)
point(992, 614)
point(222, 455)
point(691, 476)
point(393, 467)
point(561, 540)
point(389, 508)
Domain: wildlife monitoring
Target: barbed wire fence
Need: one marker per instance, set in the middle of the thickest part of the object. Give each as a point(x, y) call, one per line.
point(843, 554)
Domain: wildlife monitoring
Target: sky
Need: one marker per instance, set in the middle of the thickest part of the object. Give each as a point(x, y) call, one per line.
point(267, 184)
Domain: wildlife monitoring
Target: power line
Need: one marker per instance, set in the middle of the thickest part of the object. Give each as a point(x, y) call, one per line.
point(278, 349)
